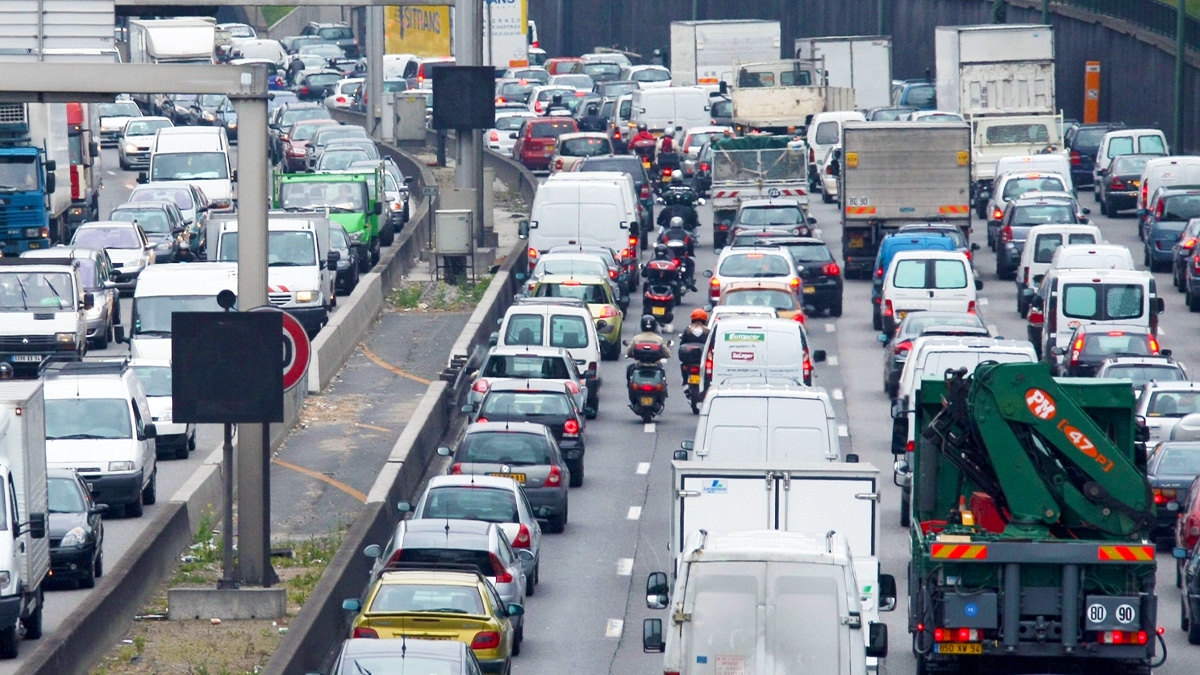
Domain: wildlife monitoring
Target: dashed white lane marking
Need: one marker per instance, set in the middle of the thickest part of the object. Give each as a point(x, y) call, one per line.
point(983, 301)
point(837, 394)
point(831, 360)
point(830, 327)
point(613, 628)
point(111, 173)
point(624, 567)
point(1161, 331)
point(643, 468)
point(992, 329)
point(635, 512)
point(843, 431)
point(650, 427)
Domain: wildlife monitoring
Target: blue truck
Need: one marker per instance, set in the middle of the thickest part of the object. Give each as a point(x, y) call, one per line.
point(34, 160)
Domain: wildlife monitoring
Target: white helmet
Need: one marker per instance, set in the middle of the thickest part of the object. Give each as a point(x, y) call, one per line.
point(676, 175)
point(669, 132)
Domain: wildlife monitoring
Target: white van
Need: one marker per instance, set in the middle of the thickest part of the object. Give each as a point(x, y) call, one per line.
point(940, 281)
point(198, 155)
point(1042, 242)
point(557, 322)
point(1127, 142)
point(1113, 297)
point(1085, 257)
point(671, 107)
point(300, 271)
point(1167, 172)
point(582, 209)
point(741, 347)
point(765, 422)
point(823, 133)
point(1048, 163)
point(185, 287)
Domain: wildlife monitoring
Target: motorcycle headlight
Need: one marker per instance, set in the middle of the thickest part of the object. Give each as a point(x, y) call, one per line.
point(64, 338)
point(130, 147)
point(76, 537)
point(306, 296)
point(120, 466)
point(163, 246)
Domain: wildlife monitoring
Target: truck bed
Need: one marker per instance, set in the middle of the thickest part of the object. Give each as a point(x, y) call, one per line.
point(882, 157)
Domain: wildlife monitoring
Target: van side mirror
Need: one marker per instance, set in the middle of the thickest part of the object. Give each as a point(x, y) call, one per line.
point(680, 455)
point(652, 637)
point(812, 221)
point(36, 525)
point(887, 592)
point(89, 300)
point(331, 260)
point(1179, 553)
point(372, 551)
point(1087, 211)
point(149, 431)
point(523, 229)
point(979, 284)
point(899, 434)
point(493, 339)
point(1166, 352)
point(51, 182)
point(143, 177)
point(1159, 305)
point(882, 338)
point(818, 356)
point(658, 590)
point(877, 639)
point(974, 247)
point(351, 605)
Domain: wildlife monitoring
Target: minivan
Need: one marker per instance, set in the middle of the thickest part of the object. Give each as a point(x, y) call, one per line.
point(679, 108)
point(927, 280)
point(739, 347)
point(558, 322)
point(198, 155)
point(1041, 243)
point(166, 289)
point(1046, 163)
point(1114, 297)
point(888, 248)
point(594, 208)
point(765, 421)
point(824, 132)
point(1128, 142)
point(1167, 172)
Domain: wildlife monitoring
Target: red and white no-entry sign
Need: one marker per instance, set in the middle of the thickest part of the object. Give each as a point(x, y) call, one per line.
point(296, 348)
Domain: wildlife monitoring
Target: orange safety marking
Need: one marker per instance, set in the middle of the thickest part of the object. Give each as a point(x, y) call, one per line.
point(953, 208)
point(1126, 553)
point(959, 551)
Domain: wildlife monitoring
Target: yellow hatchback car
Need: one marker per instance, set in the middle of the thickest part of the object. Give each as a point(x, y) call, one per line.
point(440, 604)
point(597, 293)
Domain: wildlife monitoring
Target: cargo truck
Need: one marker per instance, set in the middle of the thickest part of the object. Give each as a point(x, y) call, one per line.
point(427, 32)
point(780, 97)
point(879, 161)
point(84, 149)
point(860, 62)
point(1001, 78)
point(754, 167)
point(34, 160)
point(182, 40)
point(24, 548)
point(706, 52)
point(1031, 516)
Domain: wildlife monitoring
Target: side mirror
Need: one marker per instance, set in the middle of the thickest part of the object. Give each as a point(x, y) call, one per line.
point(94, 149)
point(1103, 172)
point(119, 332)
point(902, 473)
point(1179, 553)
point(520, 276)
point(372, 551)
point(887, 592)
point(1058, 351)
point(979, 284)
point(974, 247)
point(493, 339)
point(515, 609)
point(89, 300)
point(818, 356)
point(899, 434)
point(403, 507)
point(1160, 305)
point(513, 135)
point(877, 637)
point(525, 555)
point(658, 590)
point(687, 445)
point(1087, 211)
point(812, 221)
point(50, 182)
point(331, 260)
point(680, 455)
point(351, 605)
point(222, 203)
point(98, 509)
point(708, 274)
point(150, 431)
point(652, 637)
point(143, 177)
point(37, 525)
point(1027, 292)
point(882, 338)
point(443, 451)
point(523, 229)
point(468, 408)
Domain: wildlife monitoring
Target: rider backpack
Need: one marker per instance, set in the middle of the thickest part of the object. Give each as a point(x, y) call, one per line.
point(667, 145)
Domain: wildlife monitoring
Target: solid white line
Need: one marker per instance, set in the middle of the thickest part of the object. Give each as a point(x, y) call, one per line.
point(624, 567)
point(831, 359)
point(843, 430)
point(635, 512)
point(837, 394)
point(649, 428)
point(613, 628)
point(983, 301)
point(643, 468)
point(830, 327)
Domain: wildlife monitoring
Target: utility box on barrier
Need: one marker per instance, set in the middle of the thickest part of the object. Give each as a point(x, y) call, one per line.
point(454, 243)
point(409, 108)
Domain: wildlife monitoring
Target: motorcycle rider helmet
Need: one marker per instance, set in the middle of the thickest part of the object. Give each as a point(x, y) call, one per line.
point(676, 221)
point(669, 133)
point(699, 314)
point(649, 324)
point(677, 177)
point(557, 98)
point(642, 126)
point(661, 251)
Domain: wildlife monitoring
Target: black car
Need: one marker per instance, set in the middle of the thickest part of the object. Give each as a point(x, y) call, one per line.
point(615, 89)
point(315, 86)
point(203, 110)
point(1117, 189)
point(1167, 213)
point(177, 108)
point(1184, 252)
point(347, 264)
point(1170, 470)
point(338, 33)
point(327, 135)
point(820, 275)
point(1023, 214)
point(631, 165)
point(1091, 344)
point(75, 529)
point(916, 324)
point(1083, 142)
point(161, 221)
point(541, 401)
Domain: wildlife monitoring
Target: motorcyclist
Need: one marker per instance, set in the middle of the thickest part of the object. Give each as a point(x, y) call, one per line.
point(666, 143)
point(185, 253)
point(649, 334)
point(592, 120)
point(679, 192)
point(675, 230)
point(642, 135)
point(556, 103)
point(669, 274)
point(677, 208)
point(695, 333)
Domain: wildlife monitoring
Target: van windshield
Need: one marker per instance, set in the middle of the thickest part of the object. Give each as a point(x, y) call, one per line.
point(1102, 302)
point(156, 380)
point(77, 418)
point(284, 249)
point(23, 291)
point(152, 314)
point(189, 166)
point(340, 196)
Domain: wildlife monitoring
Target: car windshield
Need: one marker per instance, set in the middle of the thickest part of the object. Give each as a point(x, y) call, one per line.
point(593, 294)
point(754, 265)
point(336, 133)
point(1043, 214)
point(118, 109)
point(336, 160)
point(64, 495)
point(1177, 460)
point(584, 147)
point(1140, 374)
point(470, 502)
point(181, 197)
point(651, 75)
point(304, 132)
point(770, 215)
point(156, 380)
point(210, 100)
point(107, 237)
point(22, 291)
point(146, 127)
point(602, 71)
point(576, 81)
point(543, 367)
point(889, 114)
point(501, 447)
point(284, 249)
point(761, 297)
point(532, 404)
point(84, 418)
point(1087, 140)
point(292, 116)
point(422, 598)
point(189, 166)
point(1016, 187)
point(152, 314)
point(152, 221)
point(348, 196)
point(1173, 404)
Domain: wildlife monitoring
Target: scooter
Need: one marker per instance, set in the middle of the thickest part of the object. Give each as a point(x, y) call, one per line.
point(685, 262)
point(690, 356)
point(659, 300)
point(646, 380)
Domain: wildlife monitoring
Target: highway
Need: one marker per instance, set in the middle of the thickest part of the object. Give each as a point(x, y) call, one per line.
point(587, 614)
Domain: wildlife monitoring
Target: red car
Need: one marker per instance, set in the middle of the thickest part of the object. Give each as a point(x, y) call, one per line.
point(1187, 527)
point(537, 139)
point(295, 144)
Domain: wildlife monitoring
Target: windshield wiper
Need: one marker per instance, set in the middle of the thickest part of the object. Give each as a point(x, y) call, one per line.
point(54, 291)
point(73, 437)
point(152, 332)
point(359, 667)
point(288, 263)
point(24, 298)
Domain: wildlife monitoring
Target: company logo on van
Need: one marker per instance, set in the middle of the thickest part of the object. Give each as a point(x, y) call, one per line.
point(745, 337)
point(742, 356)
point(716, 487)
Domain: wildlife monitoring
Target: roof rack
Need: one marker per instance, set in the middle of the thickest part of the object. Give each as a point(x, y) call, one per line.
point(96, 367)
point(569, 302)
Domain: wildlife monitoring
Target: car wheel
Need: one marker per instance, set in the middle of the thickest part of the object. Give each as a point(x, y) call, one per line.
point(1104, 208)
point(99, 564)
point(33, 625)
point(191, 444)
point(1193, 302)
point(8, 643)
point(529, 590)
point(826, 198)
point(1146, 259)
point(876, 320)
point(182, 451)
point(102, 335)
point(150, 492)
point(87, 579)
point(576, 473)
point(1179, 577)
point(374, 252)
point(387, 235)
point(835, 310)
point(556, 524)
point(1193, 631)
point(123, 163)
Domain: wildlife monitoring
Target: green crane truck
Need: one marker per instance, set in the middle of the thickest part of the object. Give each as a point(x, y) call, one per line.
point(1031, 516)
point(353, 200)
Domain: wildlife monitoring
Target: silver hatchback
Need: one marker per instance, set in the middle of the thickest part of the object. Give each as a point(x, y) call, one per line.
point(528, 361)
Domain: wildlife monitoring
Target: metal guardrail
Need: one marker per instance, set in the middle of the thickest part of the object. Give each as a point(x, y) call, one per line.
point(1153, 15)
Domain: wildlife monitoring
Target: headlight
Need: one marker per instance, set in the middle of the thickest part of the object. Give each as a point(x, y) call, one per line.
point(136, 263)
point(396, 206)
point(355, 237)
point(76, 537)
point(94, 312)
point(166, 415)
point(5, 577)
point(231, 124)
point(209, 116)
point(343, 264)
point(306, 296)
point(120, 466)
point(130, 147)
point(33, 232)
point(64, 338)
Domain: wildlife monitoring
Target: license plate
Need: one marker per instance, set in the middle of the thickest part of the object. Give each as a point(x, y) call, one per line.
point(647, 400)
point(856, 242)
point(810, 289)
point(900, 315)
point(1137, 183)
point(693, 379)
point(658, 311)
point(27, 358)
point(958, 648)
point(519, 477)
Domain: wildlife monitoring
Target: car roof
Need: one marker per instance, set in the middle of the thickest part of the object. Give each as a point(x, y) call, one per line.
point(749, 284)
point(583, 279)
point(107, 223)
point(777, 201)
point(527, 350)
point(442, 650)
point(446, 527)
point(1148, 360)
point(63, 251)
point(1113, 327)
point(1026, 200)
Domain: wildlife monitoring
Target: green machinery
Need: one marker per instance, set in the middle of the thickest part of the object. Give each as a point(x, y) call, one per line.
point(1031, 518)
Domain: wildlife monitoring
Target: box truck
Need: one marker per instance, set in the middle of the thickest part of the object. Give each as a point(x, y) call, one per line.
point(860, 62)
point(704, 52)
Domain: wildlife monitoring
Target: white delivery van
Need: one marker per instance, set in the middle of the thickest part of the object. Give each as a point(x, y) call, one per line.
point(740, 347)
point(763, 601)
point(823, 133)
point(936, 281)
point(186, 287)
point(582, 209)
point(198, 155)
point(1111, 297)
point(1047, 163)
point(1127, 142)
point(300, 271)
point(679, 108)
point(1042, 242)
point(1167, 172)
point(765, 422)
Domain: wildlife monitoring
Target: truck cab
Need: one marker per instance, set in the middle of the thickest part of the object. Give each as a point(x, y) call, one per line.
point(354, 200)
point(28, 174)
point(43, 313)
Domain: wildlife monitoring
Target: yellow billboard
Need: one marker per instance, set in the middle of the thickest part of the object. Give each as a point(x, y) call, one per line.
point(424, 31)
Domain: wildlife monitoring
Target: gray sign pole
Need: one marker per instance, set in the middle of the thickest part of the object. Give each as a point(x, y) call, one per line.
point(468, 172)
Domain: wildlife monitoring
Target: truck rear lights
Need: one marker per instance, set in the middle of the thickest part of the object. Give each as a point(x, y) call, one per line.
point(956, 635)
point(1122, 637)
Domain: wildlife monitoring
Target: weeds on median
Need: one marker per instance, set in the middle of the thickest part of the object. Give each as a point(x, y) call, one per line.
point(438, 295)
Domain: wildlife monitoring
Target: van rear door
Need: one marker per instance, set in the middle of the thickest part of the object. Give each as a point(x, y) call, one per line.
point(736, 424)
point(799, 430)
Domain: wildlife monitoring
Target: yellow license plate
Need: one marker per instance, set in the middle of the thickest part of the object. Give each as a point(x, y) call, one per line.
point(658, 311)
point(519, 477)
point(693, 379)
point(958, 648)
point(810, 289)
point(900, 315)
point(647, 400)
point(856, 242)
point(1137, 183)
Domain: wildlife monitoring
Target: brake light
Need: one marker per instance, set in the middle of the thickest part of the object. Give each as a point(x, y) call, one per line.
point(968, 254)
point(558, 164)
point(812, 156)
point(910, 446)
point(704, 166)
point(555, 477)
point(341, 99)
point(714, 288)
point(1076, 350)
point(903, 347)
point(1025, 277)
point(1196, 264)
point(1144, 193)
point(537, 106)
point(571, 428)
point(488, 639)
point(616, 134)
point(800, 318)
point(1153, 345)
point(522, 540)
point(794, 282)
point(1076, 159)
point(498, 570)
point(482, 420)
point(364, 632)
point(456, 469)
point(1006, 234)
point(645, 194)
point(1117, 184)
point(808, 367)
point(971, 307)
point(887, 308)
point(612, 274)
point(1189, 244)
point(997, 214)
point(708, 365)
point(1122, 637)
point(304, 90)
point(481, 386)
point(1035, 316)
point(831, 270)
point(633, 241)
point(879, 272)
point(1159, 209)
point(499, 99)
point(666, 174)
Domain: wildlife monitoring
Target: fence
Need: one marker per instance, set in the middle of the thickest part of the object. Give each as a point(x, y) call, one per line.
point(1152, 15)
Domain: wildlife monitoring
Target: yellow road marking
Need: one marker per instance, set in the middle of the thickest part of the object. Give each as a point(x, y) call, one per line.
point(372, 427)
point(323, 478)
point(389, 367)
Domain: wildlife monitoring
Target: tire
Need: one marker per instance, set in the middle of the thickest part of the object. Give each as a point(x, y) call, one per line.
point(364, 264)
point(576, 474)
point(387, 235)
point(374, 253)
point(1193, 631)
point(135, 510)
point(1104, 208)
point(876, 320)
point(557, 524)
point(88, 578)
point(826, 198)
point(182, 451)
point(905, 509)
point(150, 492)
point(1179, 580)
point(101, 341)
point(33, 625)
point(1193, 302)
point(835, 310)
point(8, 643)
point(99, 564)
point(529, 589)
point(191, 444)
point(516, 650)
point(1146, 259)
point(123, 163)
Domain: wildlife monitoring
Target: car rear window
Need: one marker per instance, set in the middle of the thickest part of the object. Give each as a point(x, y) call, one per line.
point(593, 294)
point(1132, 164)
point(492, 505)
point(1102, 302)
point(584, 147)
point(827, 133)
point(1180, 207)
point(770, 215)
point(1116, 342)
point(569, 332)
point(1043, 214)
point(524, 329)
point(1178, 461)
point(530, 404)
point(754, 265)
point(1018, 133)
point(451, 556)
point(432, 598)
point(807, 253)
point(761, 297)
point(1016, 187)
point(546, 367)
point(1087, 141)
point(1141, 374)
point(1151, 145)
point(504, 448)
point(1047, 244)
point(548, 129)
point(1173, 404)
point(947, 274)
point(336, 33)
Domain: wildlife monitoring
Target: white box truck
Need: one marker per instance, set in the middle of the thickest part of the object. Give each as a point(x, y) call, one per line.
point(182, 40)
point(24, 548)
point(860, 62)
point(704, 52)
point(782, 96)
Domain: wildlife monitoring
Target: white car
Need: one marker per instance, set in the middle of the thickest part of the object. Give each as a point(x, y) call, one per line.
point(576, 81)
point(155, 376)
point(933, 116)
point(829, 175)
point(751, 263)
point(648, 77)
point(541, 97)
point(342, 97)
point(499, 137)
point(135, 140)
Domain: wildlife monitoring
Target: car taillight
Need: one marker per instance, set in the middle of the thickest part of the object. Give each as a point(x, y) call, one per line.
point(666, 174)
point(488, 639)
point(499, 571)
point(554, 479)
point(1160, 209)
point(714, 288)
point(456, 469)
point(1035, 316)
point(1006, 234)
point(558, 164)
point(341, 99)
point(481, 386)
point(968, 254)
point(910, 446)
point(1025, 277)
point(364, 632)
point(1189, 244)
point(971, 307)
point(1116, 184)
point(1196, 264)
point(482, 420)
point(645, 194)
point(812, 156)
point(494, 136)
point(831, 270)
point(537, 107)
point(879, 272)
point(616, 134)
point(708, 365)
point(704, 166)
point(1076, 350)
point(612, 274)
point(571, 428)
point(794, 282)
point(887, 308)
point(800, 318)
point(997, 214)
point(903, 347)
point(608, 312)
point(1144, 192)
point(1153, 345)
point(808, 367)
point(626, 253)
point(633, 241)
point(1122, 637)
point(523, 540)
point(1076, 159)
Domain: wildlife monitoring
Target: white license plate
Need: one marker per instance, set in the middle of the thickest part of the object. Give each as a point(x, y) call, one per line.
point(27, 358)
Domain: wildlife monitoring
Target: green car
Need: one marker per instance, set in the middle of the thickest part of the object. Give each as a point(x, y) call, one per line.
point(353, 200)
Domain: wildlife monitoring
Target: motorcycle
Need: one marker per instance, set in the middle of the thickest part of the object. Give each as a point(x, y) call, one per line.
point(644, 150)
point(646, 380)
point(685, 262)
point(690, 356)
point(659, 300)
